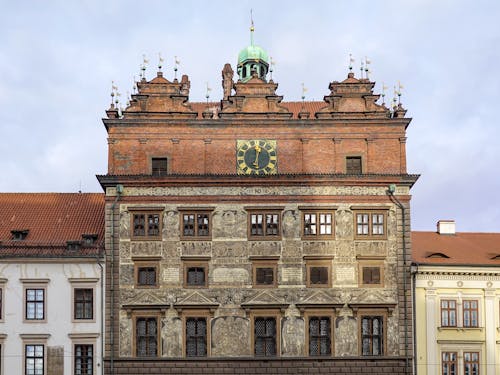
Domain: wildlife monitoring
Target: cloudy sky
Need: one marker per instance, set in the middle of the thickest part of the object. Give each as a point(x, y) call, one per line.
point(58, 58)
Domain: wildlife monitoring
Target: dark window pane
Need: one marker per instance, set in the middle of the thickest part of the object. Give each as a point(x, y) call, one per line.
point(318, 275)
point(319, 336)
point(146, 337)
point(203, 227)
point(196, 337)
point(265, 336)
point(264, 276)
point(139, 225)
point(353, 165)
point(146, 276)
point(196, 276)
point(159, 166)
point(371, 275)
point(84, 304)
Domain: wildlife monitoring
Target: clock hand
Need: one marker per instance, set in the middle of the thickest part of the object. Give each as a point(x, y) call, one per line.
point(257, 152)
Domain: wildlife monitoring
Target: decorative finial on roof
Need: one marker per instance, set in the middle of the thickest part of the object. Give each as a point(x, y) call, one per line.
point(145, 62)
point(160, 61)
point(128, 98)
point(176, 66)
point(134, 85)
point(351, 61)
point(207, 93)
point(384, 87)
point(271, 67)
point(252, 28)
point(394, 99)
point(400, 87)
point(367, 70)
point(113, 90)
point(304, 89)
point(362, 69)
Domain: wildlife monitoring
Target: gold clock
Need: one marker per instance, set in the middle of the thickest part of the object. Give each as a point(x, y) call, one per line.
point(256, 157)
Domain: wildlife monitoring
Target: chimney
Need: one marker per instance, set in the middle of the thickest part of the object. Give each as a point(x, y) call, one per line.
point(446, 226)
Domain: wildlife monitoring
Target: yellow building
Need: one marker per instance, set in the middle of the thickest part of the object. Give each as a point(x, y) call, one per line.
point(457, 294)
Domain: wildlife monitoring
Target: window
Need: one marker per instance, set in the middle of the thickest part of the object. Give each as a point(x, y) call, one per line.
point(34, 359)
point(372, 330)
point(264, 273)
point(265, 336)
point(319, 273)
point(449, 363)
point(35, 304)
point(470, 313)
point(146, 274)
point(320, 335)
point(264, 225)
point(195, 274)
point(146, 225)
point(448, 313)
point(19, 235)
point(159, 166)
point(84, 303)
point(471, 363)
point(371, 273)
point(195, 225)
point(89, 239)
point(317, 224)
point(84, 360)
point(353, 165)
point(370, 224)
point(146, 336)
point(196, 337)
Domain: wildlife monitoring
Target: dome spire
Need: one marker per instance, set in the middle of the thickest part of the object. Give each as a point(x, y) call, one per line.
point(252, 27)
point(252, 60)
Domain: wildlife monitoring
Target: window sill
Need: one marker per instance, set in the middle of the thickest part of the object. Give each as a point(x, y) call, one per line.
point(461, 329)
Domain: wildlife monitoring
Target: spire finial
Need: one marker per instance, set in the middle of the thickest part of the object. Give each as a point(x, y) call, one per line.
point(304, 89)
point(367, 69)
point(271, 67)
point(176, 66)
point(362, 68)
point(351, 61)
point(207, 94)
point(252, 28)
point(113, 91)
point(384, 87)
point(143, 67)
point(400, 86)
point(160, 61)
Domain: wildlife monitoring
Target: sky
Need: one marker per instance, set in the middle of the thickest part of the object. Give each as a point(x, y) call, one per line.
point(58, 58)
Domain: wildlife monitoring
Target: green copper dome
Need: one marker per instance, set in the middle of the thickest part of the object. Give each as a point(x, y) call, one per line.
point(252, 53)
point(252, 60)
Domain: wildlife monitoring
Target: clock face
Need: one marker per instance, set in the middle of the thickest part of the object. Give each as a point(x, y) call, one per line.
point(256, 157)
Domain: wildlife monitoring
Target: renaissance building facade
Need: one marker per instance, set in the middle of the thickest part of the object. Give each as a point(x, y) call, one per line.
point(255, 233)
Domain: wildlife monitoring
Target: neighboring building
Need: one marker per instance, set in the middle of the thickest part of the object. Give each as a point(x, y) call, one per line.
point(457, 281)
point(51, 268)
point(255, 233)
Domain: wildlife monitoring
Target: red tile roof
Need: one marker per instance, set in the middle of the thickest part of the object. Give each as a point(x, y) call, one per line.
point(294, 107)
point(462, 248)
point(52, 219)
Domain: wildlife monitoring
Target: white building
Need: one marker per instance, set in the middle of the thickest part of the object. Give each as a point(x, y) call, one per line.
point(51, 268)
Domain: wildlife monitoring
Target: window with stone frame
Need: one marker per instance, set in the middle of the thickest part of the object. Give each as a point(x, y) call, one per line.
point(371, 272)
point(195, 274)
point(264, 225)
point(265, 336)
point(34, 359)
point(448, 313)
point(372, 335)
point(159, 167)
point(146, 225)
point(449, 363)
point(318, 273)
point(264, 273)
point(370, 224)
point(35, 304)
point(471, 363)
point(320, 335)
point(353, 165)
point(470, 313)
point(196, 336)
point(196, 225)
point(146, 273)
point(83, 303)
point(146, 336)
point(317, 224)
point(84, 359)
